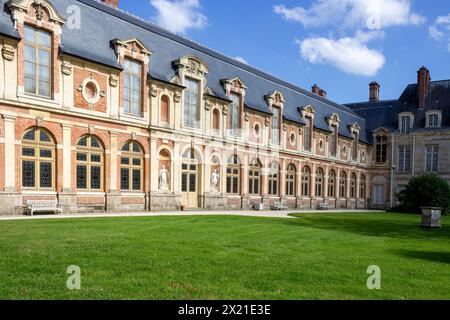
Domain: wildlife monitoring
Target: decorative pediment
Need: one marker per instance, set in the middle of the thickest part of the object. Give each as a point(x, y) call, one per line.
point(134, 44)
point(307, 111)
point(235, 84)
point(276, 98)
point(334, 119)
point(354, 128)
point(192, 65)
point(40, 7)
point(380, 131)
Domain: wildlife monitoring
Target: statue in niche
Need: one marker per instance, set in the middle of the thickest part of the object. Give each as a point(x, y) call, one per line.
point(164, 179)
point(215, 181)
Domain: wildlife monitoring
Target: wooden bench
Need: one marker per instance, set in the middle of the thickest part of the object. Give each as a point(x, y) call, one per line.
point(278, 206)
point(43, 206)
point(324, 206)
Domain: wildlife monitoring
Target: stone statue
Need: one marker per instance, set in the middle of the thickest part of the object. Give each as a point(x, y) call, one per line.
point(164, 179)
point(214, 181)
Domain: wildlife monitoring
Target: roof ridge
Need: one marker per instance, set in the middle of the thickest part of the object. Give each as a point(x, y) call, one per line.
point(98, 4)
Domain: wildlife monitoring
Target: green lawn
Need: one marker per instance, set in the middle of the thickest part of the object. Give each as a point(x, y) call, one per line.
point(315, 256)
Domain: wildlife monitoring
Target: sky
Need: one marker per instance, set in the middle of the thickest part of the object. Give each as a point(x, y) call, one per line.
point(341, 45)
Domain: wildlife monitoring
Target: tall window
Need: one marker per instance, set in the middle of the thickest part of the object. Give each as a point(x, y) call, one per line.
point(37, 62)
point(332, 184)
point(404, 158)
point(307, 143)
point(254, 178)
point(38, 160)
point(165, 112)
point(191, 102)
point(131, 167)
point(362, 187)
point(306, 181)
point(353, 186)
point(378, 194)
point(233, 114)
point(233, 176)
point(89, 164)
point(273, 179)
point(433, 121)
point(381, 149)
point(276, 126)
point(132, 94)
point(355, 148)
point(290, 180)
point(432, 158)
point(406, 124)
point(319, 183)
point(343, 185)
point(333, 141)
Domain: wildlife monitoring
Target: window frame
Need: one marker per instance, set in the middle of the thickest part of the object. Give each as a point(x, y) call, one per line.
point(319, 192)
point(404, 158)
point(276, 111)
point(232, 176)
point(132, 155)
point(290, 180)
point(307, 134)
point(274, 179)
point(188, 106)
point(332, 184)
point(306, 182)
point(432, 158)
point(37, 48)
point(381, 147)
point(89, 151)
point(37, 146)
point(254, 178)
point(343, 185)
point(128, 73)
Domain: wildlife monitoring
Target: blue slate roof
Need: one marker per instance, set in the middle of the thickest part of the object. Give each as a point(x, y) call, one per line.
point(101, 23)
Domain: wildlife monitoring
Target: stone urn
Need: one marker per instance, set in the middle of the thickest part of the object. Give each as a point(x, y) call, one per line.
point(431, 217)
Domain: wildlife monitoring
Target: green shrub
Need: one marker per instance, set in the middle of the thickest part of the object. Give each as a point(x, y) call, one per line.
point(428, 190)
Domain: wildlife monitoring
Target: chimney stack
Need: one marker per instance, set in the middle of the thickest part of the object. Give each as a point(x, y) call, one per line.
point(374, 92)
point(112, 3)
point(423, 82)
point(315, 89)
point(322, 93)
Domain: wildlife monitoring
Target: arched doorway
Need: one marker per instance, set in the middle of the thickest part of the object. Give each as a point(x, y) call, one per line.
point(190, 180)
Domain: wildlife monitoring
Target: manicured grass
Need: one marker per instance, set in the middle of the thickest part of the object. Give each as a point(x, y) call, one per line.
point(315, 256)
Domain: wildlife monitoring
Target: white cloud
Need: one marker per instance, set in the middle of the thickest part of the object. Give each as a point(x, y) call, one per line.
point(347, 54)
point(375, 14)
point(440, 30)
point(241, 60)
point(179, 15)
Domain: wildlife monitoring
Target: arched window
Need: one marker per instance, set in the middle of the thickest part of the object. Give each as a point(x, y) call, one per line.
point(38, 160)
point(234, 176)
point(319, 182)
point(131, 167)
point(343, 185)
point(306, 180)
point(273, 179)
point(332, 184)
point(290, 180)
point(165, 112)
point(216, 120)
point(362, 187)
point(90, 159)
point(353, 185)
point(254, 178)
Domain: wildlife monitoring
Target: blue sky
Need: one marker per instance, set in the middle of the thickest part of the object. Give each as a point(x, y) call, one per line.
point(341, 45)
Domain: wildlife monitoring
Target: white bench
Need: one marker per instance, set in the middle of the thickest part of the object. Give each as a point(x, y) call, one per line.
point(43, 206)
point(278, 206)
point(324, 206)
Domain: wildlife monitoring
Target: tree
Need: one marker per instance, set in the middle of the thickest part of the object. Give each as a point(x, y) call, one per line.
point(428, 190)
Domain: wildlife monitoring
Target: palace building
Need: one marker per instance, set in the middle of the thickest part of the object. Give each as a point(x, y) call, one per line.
point(103, 111)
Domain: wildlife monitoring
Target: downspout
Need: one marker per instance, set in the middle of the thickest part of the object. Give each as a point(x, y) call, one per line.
point(413, 155)
point(392, 171)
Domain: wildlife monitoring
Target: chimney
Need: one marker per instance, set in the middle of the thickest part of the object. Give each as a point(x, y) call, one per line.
point(112, 3)
point(322, 93)
point(423, 82)
point(315, 89)
point(374, 92)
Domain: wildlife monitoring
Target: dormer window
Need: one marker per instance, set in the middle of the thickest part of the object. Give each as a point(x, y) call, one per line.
point(433, 119)
point(333, 140)
point(405, 124)
point(132, 95)
point(191, 102)
point(276, 126)
point(307, 136)
point(233, 114)
point(38, 54)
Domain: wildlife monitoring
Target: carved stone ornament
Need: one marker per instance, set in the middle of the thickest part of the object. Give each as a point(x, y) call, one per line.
point(8, 52)
point(133, 136)
point(102, 94)
point(208, 106)
point(300, 130)
point(177, 97)
point(38, 10)
point(66, 68)
point(225, 111)
point(80, 88)
point(246, 117)
point(267, 122)
point(39, 121)
point(91, 129)
point(153, 92)
point(113, 80)
point(284, 128)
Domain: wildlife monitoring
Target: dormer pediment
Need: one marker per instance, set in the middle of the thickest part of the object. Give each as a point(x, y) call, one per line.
point(334, 119)
point(235, 83)
point(133, 44)
point(354, 128)
point(192, 65)
point(307, 111)
point(276, 98)
point(40, 6)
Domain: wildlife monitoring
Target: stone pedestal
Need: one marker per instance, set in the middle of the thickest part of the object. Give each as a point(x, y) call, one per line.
point(11, 203)
point(165, 201)
point(214, 201)
point(431, 217)
point(113, 202)
point(68, 202)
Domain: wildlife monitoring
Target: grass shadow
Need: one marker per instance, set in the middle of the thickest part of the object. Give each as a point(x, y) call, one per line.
point(433, 256)
point(394, 226)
